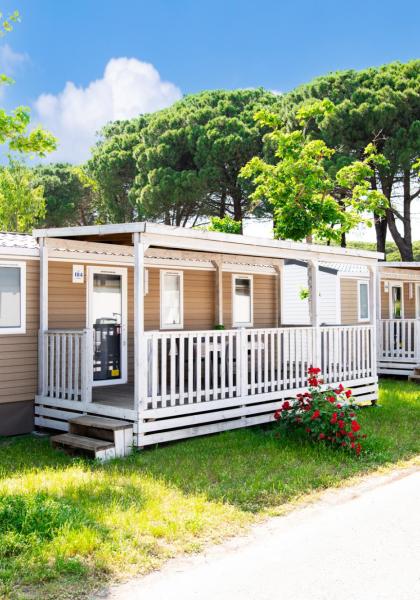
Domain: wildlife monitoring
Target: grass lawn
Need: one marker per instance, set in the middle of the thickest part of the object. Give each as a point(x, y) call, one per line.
point(68, 525)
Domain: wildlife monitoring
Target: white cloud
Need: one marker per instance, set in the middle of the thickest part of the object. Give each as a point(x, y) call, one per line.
point(128, 87)
point(10, 60)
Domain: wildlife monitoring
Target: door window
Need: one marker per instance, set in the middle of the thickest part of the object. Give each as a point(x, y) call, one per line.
point(396, 302)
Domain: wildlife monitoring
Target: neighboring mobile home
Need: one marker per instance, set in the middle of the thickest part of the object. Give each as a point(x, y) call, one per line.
point(19, 323)
point(399, 325)
point(181, 332)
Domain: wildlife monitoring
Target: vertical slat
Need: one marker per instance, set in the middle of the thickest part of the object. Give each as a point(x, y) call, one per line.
point(198, 368)
point(172, 372)
point(279, 361)
point(223, 339)
point(272, 359)
point(190, 368)
point(57, 365)
point(76, 366)
point(155, 370)
point(164, 370)
point(215, 385)
point(259, 362)
point(51, 355)
point(63, 365)
point(70, 385)
point(265, 351)
point(253, 388)
point(230, 364)
point(181, 368)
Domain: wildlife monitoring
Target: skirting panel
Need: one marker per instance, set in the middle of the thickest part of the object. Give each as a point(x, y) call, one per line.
point(169, 424)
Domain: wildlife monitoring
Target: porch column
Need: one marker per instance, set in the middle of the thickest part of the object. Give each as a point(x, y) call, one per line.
point(374, 316)
point(218, 265)
point(279, 283)
point(43, 313)
point(140, 350)
point(313, 280)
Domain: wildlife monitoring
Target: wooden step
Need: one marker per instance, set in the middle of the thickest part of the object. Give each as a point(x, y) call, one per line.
point(101, 449)
point(101, 422)
point(414, 378)
point(120, 433)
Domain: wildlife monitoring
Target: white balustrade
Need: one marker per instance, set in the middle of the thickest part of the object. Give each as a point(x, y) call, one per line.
point(399, 339)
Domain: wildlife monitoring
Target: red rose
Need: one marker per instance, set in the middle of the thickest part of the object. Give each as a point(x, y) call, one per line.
point(358, 448)
point(334, 419)
point(286, 405)
point(339, 406)
point(331, 399)
point(352, 445)
point(321, 436)
point(348, 393)
point(313, 382)
point(339, 389)
point(352, 415)
point(315, 415)
point(344, 443)
point(355, 426)
point(308, 430)
point(277, 414)
point(341, 424)
point(314, 371)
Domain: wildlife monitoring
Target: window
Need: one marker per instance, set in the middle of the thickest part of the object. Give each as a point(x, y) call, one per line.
point(12, 298)
point(171, 300)
point(242, 300)
point(363, 301)
point(396, 309)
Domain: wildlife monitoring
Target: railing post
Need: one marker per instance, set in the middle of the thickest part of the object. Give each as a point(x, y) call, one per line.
point(86, 366)
point(417, 339)
point(43, 314)
point(374, 317)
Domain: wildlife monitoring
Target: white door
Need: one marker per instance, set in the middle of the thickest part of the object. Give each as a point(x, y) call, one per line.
point(107, 317)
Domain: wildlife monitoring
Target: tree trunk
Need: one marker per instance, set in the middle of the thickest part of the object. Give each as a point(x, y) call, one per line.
point(343, 242)
point(404, 242)
point(381, 227)
point(222, 207)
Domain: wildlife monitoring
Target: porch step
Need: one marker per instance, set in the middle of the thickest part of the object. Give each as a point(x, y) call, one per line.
point(120, 433)
point(415, 378)
point(100, 449)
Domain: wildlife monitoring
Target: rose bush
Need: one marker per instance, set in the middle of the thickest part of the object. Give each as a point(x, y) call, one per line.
point(328, 415)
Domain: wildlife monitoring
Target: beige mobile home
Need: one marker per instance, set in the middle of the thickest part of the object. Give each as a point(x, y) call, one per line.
point(399, 324)
point(181, 333)
point(19, 324)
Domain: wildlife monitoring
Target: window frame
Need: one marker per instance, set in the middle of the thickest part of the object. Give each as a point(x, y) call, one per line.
point(399, 284)
point(180, 273)
point(22, 328)
point(236, 323)
point(359, 316)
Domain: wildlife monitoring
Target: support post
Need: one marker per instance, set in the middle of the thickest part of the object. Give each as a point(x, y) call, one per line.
point(218, 265)
point(43, 316)
point(140, 350)
point(279, 291)
point(314, 308)
point(374, 314)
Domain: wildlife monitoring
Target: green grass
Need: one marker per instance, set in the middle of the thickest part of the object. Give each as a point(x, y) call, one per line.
point(68, 525)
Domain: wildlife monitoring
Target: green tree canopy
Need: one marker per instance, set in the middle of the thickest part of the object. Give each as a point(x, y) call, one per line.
point(22, 203)
point(70, 195)
point(379, 105)
point(14, 126)
point(190, 156)
point(114, 168)
point(300, 186)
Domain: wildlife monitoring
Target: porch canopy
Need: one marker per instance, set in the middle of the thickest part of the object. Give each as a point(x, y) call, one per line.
point(144, 245)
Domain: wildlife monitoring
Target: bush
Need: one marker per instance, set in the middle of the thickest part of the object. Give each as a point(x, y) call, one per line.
point(327, 416)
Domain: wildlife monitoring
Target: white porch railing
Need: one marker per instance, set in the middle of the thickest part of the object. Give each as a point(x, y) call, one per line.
point(201, 366)
point(399, 339)
point(67, 365)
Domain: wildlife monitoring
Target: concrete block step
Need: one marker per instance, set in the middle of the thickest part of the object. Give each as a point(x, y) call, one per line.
point(70, 442)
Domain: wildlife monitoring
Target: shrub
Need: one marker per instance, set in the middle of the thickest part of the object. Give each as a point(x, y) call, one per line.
point(326, 415)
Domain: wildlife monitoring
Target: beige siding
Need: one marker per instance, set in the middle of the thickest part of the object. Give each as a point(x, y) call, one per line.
point(199, 300)
point(19, 353)
point(384, 302)
point(264, 300)
point(349, 310)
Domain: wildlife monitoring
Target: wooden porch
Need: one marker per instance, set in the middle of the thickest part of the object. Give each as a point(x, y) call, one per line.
point(398, 346)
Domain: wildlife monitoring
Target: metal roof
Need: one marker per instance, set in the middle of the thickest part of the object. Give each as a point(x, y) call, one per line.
point(17, 240)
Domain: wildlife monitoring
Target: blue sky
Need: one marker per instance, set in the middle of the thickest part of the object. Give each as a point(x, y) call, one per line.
point(192, 45)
